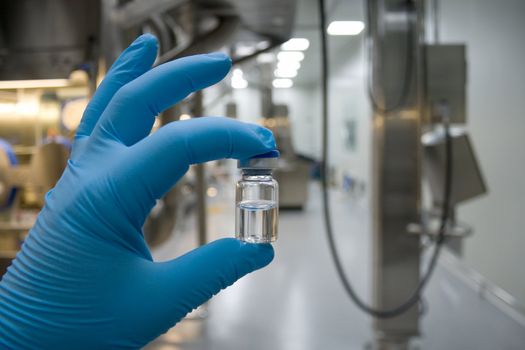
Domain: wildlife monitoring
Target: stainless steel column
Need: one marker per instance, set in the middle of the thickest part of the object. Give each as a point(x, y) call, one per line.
point(395, 28)
point(200, 180)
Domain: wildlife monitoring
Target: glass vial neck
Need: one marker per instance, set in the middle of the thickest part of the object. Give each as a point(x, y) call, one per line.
point(257, 174)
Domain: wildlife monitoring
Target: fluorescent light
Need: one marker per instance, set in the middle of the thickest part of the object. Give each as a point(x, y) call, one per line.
point(263, 45)
point(19, 108)
point(211, 192)
point(244, 50)
point(285, 73)
point(72, 112)
point(33, 84)
point(296, 44)
point(345, 27)
point(290, 56)
point(282, 83)
point(238, 81)
point(266, 57)
point(288, 65)
point(7, 108)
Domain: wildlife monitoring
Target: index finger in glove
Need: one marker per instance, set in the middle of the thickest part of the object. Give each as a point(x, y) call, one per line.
point(158, 161)
point(133, 62)
point(129, 116)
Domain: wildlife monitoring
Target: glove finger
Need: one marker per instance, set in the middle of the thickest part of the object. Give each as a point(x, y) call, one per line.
point(130, 114)
point(166, 292)
point(158, 161)
point(133, 62)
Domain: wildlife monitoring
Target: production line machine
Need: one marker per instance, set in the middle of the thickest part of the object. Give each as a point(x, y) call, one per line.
point(417, 90)
point(22, 190)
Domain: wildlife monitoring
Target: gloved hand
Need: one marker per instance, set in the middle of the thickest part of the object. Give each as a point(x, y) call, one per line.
point(85, 278)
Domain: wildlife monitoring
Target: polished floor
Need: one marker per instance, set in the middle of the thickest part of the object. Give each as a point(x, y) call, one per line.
point(297, 303)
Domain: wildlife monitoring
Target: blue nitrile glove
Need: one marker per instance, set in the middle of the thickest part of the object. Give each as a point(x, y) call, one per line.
point(84, 278)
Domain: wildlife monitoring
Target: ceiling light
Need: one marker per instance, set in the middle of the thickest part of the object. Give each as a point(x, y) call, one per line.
point(282, 83)
point(296, 44)
point(185, 116)
point(211, 192)
point(290, 56)
point(72, 112)
point(239, 82)
point(244, 50)
point(33, 84)
point(262, 45)
point(288, 65)
point(285, 73)
point(26, 108)
point(266, 57)
point(7, 108)
point(345, 27)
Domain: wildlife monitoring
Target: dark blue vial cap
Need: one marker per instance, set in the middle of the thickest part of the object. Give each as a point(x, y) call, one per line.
point(268, 160)
point(272, 154)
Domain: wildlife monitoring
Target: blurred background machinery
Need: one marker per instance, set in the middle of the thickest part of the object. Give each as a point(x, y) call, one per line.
point(414, 88)
point(54, 52)
point(22, 190)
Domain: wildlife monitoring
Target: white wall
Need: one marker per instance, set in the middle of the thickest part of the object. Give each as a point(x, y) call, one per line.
point(304, 113)
point(494, 32)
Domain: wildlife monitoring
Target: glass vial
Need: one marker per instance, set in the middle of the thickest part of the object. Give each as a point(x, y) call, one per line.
point(257, 200)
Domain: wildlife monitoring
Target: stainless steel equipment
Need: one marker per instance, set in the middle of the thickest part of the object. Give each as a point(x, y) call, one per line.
point(397, 85)
point(467, 181)
point(47, 39)
point(414, 88)
point(445, 79)
point(187, 27)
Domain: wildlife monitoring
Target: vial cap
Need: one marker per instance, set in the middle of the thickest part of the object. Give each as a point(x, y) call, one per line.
point(268, 160)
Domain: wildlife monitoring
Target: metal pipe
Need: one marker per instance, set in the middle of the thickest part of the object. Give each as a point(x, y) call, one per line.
point(165, 35)
point(200, 181)
point(135, 12)
point(206, 42)
point(435, 20)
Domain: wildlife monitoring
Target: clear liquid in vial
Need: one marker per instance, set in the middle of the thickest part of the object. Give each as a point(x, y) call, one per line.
point(256, 221)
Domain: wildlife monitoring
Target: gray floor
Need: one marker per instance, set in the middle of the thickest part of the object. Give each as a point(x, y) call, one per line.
point(298, 303)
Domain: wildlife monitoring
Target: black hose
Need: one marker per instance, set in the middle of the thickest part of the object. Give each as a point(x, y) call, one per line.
point(415, 296)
